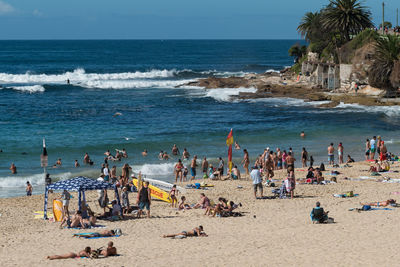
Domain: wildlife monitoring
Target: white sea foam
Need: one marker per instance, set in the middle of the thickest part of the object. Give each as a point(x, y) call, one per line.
point(154, 169)
point(29, 88)
point(387, 110)
point(287, 101)
point(222, 94)
point(124, 84)
point(35, 179)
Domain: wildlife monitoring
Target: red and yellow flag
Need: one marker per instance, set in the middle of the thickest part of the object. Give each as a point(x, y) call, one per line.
point(229, 142)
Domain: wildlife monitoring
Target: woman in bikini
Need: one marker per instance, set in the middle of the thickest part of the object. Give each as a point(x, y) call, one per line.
point(172, 194)
point(380, 203)
point(84, 253)
point(195, 232)
point(178, 171)
point(246, 161)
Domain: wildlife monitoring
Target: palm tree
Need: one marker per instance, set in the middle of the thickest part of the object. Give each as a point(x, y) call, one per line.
point(387, 52)
point(297, 52)
point(349, 17)
point(309, 26)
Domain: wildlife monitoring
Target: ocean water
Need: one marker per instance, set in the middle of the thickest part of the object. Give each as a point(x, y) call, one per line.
point(139, 79)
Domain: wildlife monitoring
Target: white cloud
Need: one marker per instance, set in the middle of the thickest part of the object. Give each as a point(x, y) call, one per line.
point(5, 8)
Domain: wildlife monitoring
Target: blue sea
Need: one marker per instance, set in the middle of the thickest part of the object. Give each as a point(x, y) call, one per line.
point(139, 80)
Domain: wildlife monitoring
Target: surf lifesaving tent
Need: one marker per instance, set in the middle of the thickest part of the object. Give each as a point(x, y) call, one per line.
point(79, 184)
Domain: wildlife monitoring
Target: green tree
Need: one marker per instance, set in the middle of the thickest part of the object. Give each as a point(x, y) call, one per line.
point(297, 52)
point(387, 51)
point(386, 24)
point(347, 17)
point(309, 27)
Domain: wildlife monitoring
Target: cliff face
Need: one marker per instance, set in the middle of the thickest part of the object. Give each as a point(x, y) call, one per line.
point(395, 76)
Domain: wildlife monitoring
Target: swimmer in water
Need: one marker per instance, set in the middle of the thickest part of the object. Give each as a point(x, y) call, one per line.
point(302, 134)
point(144, 153)
point(237, 146)
point(13, 168)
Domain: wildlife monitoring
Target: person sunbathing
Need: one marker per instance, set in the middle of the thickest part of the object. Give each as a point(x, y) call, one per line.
point(376, 167)
point(195, 232)
point(84, 253)
point(109, 251)
point(105, 233)
point(91, 221)
point(380, 203)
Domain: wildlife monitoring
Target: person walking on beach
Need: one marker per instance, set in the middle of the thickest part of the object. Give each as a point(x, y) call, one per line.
point(257, 181)
point(13, 168)
point(29, 189)
point(65, 197)
point(193, 166)
point(204, 167)
point(246, 161)
point(221, 166)
point(178, 171)
point(340, 153)
point(372, 144)
point(144, 199)
point(367, 149)
point(304, 157)
point(331, 156)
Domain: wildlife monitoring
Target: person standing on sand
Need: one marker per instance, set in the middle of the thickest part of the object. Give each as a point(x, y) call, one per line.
point(204, 166)
point(304, 157)
point(378, 145)
point(383, 151)
point(331, 156)
point(340, 153)
point(178, 171)
point(290, 161)
point(246, 161)
point(279, 156)
point(284, 159)
point(221, 166)
point(13, 168)
point(372, 144)
point(193, 166)
point(29, 189)
point(144, 199)
point(257, 181)
point(367, 149)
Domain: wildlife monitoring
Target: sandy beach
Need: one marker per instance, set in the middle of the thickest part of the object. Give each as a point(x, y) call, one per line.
point(273, 232)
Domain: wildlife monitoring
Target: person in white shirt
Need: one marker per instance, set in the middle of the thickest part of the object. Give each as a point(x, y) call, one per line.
point(257, 181)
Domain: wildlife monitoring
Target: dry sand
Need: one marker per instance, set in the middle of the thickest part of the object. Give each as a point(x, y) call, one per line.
point(274, 232)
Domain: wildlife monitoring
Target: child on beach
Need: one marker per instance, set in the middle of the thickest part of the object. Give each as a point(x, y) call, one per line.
point(185, 173)
point(173, 194)
point(29, 189)
point(182, 205)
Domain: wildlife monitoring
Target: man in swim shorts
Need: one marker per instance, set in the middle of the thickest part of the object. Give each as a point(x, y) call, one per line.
point(193, 166)
point(372, 144)
point(331, 156)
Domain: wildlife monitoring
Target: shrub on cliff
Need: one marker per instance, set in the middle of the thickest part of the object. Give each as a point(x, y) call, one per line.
point(387, 53)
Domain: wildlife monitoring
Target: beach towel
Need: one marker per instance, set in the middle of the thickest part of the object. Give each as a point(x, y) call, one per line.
point(345, 195)
point(97, 237)
point(79, 228)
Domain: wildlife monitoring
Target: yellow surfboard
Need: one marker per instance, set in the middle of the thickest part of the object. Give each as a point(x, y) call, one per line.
point(156, 192)
point(57, 210)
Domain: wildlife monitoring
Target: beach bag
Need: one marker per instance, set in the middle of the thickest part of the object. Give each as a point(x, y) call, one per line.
point(366, 207)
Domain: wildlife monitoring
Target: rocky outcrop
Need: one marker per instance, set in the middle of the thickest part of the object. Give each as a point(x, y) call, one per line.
point(395, 75)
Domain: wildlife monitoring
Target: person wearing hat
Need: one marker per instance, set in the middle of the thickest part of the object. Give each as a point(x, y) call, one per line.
point(257, 181)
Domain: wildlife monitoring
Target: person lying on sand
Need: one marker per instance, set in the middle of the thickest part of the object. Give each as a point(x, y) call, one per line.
point(380, 203)
point(84, 253)
point(105, 233)
point(109, 251)
point(195, 232)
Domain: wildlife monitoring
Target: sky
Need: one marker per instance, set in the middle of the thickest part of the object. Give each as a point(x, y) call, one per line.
point(163, 19)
